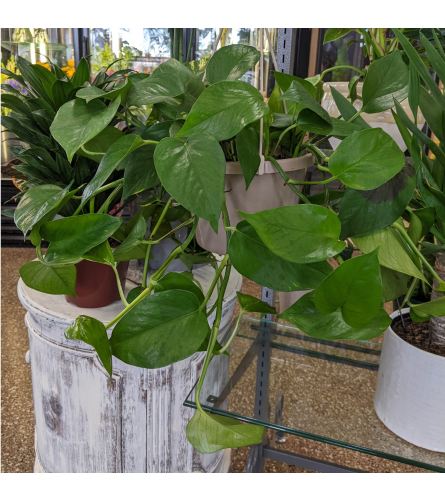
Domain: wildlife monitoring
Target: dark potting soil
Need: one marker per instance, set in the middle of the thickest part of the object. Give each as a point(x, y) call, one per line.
point(416, 334)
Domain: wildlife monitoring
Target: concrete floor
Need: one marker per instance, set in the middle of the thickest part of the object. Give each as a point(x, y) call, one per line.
point(17, 420)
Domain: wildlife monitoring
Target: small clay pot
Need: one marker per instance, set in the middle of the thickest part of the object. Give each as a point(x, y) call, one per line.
point(96, 284)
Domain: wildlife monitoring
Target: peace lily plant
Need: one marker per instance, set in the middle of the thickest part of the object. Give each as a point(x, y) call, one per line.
point(167, 136)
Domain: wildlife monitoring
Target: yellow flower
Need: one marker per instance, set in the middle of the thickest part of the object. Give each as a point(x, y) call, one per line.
point(44, 64)
point(70, 68)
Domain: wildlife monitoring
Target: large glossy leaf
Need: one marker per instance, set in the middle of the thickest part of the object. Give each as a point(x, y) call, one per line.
point(209, 433)
point(192, 170)
point(253, 304)
point(92, 332)
point(250, 256)
point(387, 79)
point(247, 149)
point(162, 329)
point(223, 110)
point(231, 62)
point(355, 288)
point(56, 280)
point(77, 122)
point(139, 171)
point(366, 159)
point(306, 316)
point(391, 251)
point(311, 116)
point(168, 80)
point(428, 310)
point(362, 212)
point(298, 233)
point(115, 154)
point(72, 237)
point(37, 203)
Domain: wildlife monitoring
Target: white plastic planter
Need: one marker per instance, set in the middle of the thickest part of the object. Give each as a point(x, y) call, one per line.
point(410, 395)
point(133, 422)
point(267, 190)
point(383, 120)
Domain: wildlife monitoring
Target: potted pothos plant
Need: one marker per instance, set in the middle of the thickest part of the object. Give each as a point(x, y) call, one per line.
point(185, 122)
point(410, 396)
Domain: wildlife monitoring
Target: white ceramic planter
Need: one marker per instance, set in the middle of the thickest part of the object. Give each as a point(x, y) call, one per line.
point(266, 191)
point(383, 120)
point(133, 422)
point(410, 395)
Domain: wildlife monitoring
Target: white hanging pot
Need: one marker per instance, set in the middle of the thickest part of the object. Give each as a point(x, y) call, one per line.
point(410, 395)
point(267, 190)
point(383, 120)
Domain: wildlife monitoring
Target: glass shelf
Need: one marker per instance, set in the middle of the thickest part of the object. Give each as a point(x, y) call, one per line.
point(326, 389)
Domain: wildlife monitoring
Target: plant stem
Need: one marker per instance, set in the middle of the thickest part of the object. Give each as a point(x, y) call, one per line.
point(280, 138)
point(100, 190)
point(155, 276)
point(106, 204)
point(317, 152)
point(213, 336)
point(119, 286)
point(341, 66)
point(232, 335)
point(153, 232)
point(215, 280)
point(286, 179)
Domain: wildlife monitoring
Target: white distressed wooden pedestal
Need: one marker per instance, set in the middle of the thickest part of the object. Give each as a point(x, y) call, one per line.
point(133, 422)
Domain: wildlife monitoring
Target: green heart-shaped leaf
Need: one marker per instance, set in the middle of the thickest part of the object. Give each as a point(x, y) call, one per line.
point(363, 212)
point(192, 170)
point(231, 62)
point(37, 203)
point(366, 159)
point(298, 233)
point(56, 280)
point(72, 237)
point(306, 316)
point(162, 329)
point(92, 332)
point(250, 256)
point(209, 433)
point(77, 122)
point(355, 288)
point(387, 78)
point(223, 110)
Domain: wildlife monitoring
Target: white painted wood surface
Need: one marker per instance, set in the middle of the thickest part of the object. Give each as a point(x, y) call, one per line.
point(133, 422)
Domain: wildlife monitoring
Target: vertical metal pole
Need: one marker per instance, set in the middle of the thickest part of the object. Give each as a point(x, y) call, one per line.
point(286, 42)
point(255, 460)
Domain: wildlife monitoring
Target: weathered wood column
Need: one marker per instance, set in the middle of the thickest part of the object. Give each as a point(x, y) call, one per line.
point(133, 422)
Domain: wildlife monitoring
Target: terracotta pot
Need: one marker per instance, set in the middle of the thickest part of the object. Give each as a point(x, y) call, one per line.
point(267, 190)
point(96, 284)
